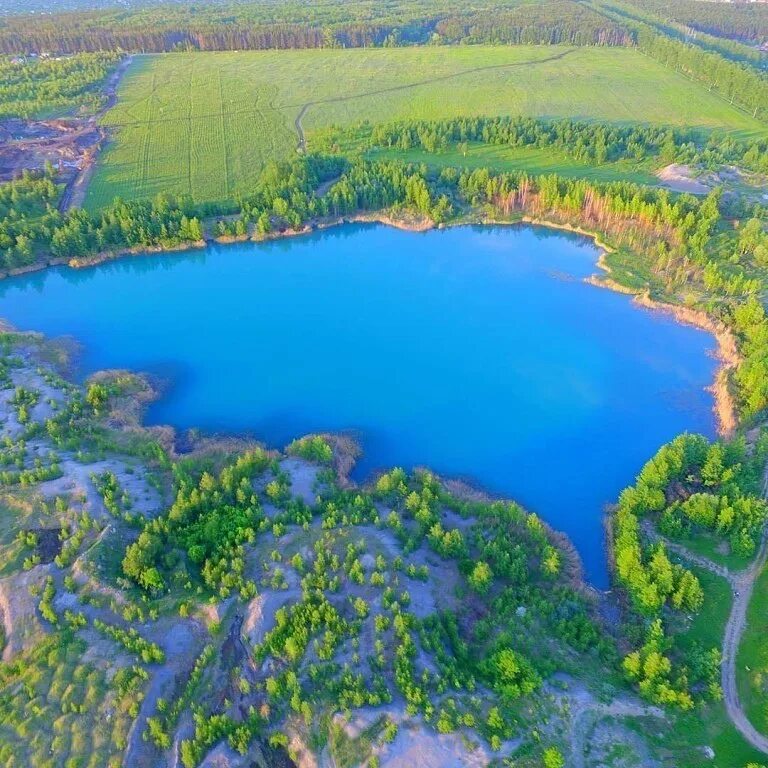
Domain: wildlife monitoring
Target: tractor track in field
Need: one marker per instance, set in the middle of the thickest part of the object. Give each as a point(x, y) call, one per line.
point(351, 97)
point(302, 144)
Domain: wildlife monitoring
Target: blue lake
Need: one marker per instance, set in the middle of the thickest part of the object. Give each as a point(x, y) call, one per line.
point(476, 351)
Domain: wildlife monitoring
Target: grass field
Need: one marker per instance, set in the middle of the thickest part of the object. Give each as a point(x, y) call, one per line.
point(706, 724)
point(752, 659)
point(204, 123)
point(531, 159)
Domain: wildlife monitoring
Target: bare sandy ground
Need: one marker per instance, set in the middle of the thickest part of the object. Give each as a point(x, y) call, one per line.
point(303, 478)
point(18, 610)
point(76, 481)
point(681, 178)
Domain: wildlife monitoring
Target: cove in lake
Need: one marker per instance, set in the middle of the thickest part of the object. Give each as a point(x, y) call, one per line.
point(476, 351)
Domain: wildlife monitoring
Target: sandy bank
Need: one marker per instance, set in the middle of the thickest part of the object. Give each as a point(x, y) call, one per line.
point(725, 410)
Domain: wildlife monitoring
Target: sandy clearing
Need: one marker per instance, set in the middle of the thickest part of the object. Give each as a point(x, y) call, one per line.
point(680, 178)
point(303, 477)
point(426, 597)
point(583, 712)
point(182, 642)
point(40, 412)
point(260, 613)
point(18, 610)
point(76, 480)
point(416, 746)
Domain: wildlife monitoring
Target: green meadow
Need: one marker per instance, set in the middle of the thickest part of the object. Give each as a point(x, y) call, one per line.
point(532, 159)
point(752, 659)
point(204, 124)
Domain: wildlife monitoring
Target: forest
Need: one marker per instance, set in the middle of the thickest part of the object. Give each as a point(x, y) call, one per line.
point(33, 85)
point(740, 21)
point(407, 22)
point(586, 141)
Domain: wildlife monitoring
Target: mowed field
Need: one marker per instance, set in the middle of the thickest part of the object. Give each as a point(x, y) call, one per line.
point(205, 123)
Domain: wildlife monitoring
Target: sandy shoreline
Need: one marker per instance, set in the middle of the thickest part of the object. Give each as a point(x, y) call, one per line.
point(726, 412)
point(728, 355)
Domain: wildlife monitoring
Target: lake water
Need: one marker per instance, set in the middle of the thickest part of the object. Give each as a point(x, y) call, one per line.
point(476, 351)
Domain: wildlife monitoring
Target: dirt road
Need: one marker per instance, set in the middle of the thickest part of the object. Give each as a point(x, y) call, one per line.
point(74, 194)
point(302, 143)
point(734, 629)
point(742, 583)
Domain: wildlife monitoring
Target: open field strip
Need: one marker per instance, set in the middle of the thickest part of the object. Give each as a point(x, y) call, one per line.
point(204, 124)
point(535, 160)
point(752, 659)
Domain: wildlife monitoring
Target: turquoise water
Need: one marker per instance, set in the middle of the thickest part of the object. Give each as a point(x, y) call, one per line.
point(478, 352)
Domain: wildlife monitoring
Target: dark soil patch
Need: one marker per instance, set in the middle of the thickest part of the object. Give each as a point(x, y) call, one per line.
point(48, 543)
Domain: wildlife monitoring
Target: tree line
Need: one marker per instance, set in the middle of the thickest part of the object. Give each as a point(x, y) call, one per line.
point(740, 84)
point(668, 26)
point(745, 21)
point(690, 487)
point(335, 24)
point(587, 141)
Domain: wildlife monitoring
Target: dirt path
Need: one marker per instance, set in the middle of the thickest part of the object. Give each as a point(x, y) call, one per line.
point(302, 143)
point(734, 629)
point(74, 195)
point(302, 146)
point(742, 583)
point(691, 557)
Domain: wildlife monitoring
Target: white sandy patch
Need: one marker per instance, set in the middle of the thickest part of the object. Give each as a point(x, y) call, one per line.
point(18, 610)
point(681, 178)
point(40, 412)
point(76, 481)
point(417, 746)
point(182, 642)
point(260, 612)
point(303, 477)
point(426, 596)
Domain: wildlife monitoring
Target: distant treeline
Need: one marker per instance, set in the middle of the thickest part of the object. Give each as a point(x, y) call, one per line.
point(746, 21)
point(626, 11)
point(735, 82)
point(335, 24)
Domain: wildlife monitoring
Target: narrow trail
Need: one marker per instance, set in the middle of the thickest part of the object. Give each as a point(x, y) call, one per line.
point(691, 557)
point(742, 583)
point(74, 194)
point(302, 146)
point(734, 629)
point(302, 143)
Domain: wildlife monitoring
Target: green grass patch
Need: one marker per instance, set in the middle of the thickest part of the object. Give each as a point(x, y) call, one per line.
point(707, 724)
point(204, 124)
point(752, 658)
point(714, 548)
point(531, 159)
point(707, 627)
